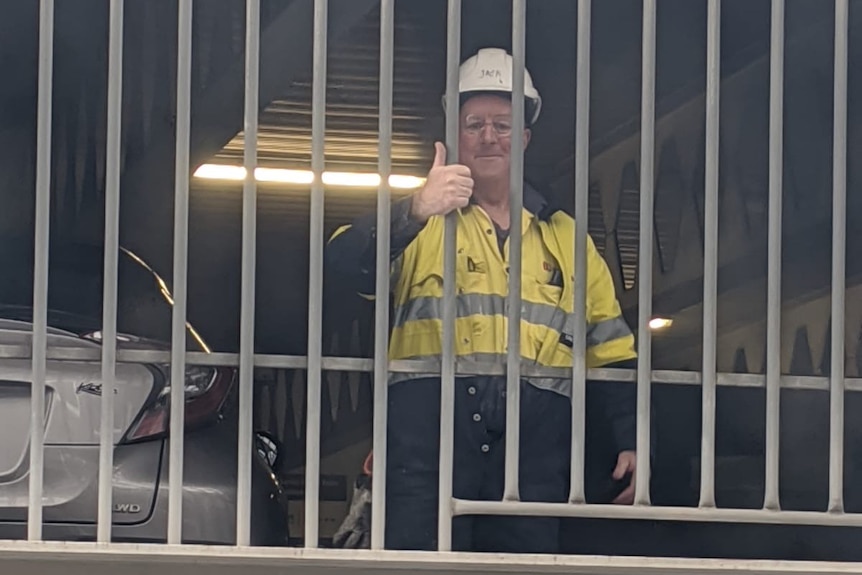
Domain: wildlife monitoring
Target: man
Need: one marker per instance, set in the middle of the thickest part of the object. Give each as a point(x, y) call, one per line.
point(477, 189)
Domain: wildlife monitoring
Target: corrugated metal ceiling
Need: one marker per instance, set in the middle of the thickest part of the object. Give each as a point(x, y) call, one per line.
point(284, 139)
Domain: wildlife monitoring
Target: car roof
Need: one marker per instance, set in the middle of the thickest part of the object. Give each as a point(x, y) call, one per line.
point(26, 326)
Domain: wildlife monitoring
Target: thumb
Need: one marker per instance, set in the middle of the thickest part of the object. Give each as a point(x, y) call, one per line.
point(621, 468)
point(439, 155)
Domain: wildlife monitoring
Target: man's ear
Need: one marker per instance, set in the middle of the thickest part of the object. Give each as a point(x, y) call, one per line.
point(527, 134)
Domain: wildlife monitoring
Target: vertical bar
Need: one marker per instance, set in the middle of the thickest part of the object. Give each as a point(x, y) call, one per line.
point(710, 258)
point(40, 272)
point(839, 236)
point(450, 237)
point(109, 300)
point(516, 206)
point(381, 309)
point(315, 277)
point(181, 240)
point(642, 496)
point(582, 183)
point(249, 240)
point(773, 313)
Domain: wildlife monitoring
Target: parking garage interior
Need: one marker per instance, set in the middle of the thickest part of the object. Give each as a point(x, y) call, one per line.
point(147, 191)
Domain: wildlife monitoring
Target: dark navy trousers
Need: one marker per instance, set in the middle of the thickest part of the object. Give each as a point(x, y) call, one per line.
point(412, 476)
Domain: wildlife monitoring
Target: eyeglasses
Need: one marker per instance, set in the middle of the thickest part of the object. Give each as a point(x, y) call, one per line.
point(502, 125)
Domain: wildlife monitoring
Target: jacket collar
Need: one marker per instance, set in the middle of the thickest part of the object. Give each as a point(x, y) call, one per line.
point(535, 203)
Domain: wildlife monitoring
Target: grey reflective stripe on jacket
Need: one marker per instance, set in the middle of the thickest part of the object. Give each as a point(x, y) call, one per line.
point(477, 304)
point(553, 317)
point(425, 308)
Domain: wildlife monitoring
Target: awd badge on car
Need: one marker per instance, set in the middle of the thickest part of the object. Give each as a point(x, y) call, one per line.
point(127, 508)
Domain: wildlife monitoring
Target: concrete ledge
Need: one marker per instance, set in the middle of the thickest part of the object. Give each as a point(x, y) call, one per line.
point(48, 558)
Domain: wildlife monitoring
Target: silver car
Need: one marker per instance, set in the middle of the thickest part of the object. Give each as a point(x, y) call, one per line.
point(71, 455)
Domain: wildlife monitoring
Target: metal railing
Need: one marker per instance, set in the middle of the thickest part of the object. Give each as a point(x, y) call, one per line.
point(40, 272)
point(315, 362)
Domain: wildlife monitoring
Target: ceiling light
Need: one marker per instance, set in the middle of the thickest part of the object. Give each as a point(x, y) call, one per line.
point(659, 323)
point(220, 172)
point(285, 176)
point(282, 176)
point(351, 179)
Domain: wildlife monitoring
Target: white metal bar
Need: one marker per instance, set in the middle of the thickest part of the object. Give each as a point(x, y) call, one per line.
point(839, 254)
point(249, 251)
point(645, 258)
point(656, 513)
point(52, 558)
point(450, 240)
point(710, 258)
point(513, 299)
point(315, 276)
point(427, 368)
point(181, 240)
point(381, 309)
point(582, 207)
point(430, 368)
point(773, 313)
point(112, 245)
point(40, 271)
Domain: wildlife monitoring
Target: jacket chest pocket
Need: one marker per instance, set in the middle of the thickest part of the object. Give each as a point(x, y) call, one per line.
point(545, 277)
point(472, 272)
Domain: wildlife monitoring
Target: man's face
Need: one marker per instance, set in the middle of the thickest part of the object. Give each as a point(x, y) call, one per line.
point(486, 136)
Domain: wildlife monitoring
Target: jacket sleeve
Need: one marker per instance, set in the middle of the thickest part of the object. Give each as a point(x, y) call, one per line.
point(610, 343)
point(350, 256)
point(619, 402)
point(609, 337)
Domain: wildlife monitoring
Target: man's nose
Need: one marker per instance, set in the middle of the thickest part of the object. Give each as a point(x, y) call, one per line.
point(488, 134)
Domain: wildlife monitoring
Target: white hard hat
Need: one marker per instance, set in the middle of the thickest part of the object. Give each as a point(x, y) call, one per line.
point(490, 70)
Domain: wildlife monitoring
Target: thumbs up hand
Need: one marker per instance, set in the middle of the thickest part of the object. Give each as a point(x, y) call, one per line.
point(447, 188)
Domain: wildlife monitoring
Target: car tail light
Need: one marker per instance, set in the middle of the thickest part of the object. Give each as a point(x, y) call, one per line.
point(206, 389)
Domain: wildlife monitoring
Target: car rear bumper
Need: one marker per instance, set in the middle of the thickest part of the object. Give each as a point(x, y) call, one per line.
point(209, 500)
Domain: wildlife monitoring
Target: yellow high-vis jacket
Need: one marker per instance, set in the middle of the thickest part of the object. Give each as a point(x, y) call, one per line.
point(482, 269)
